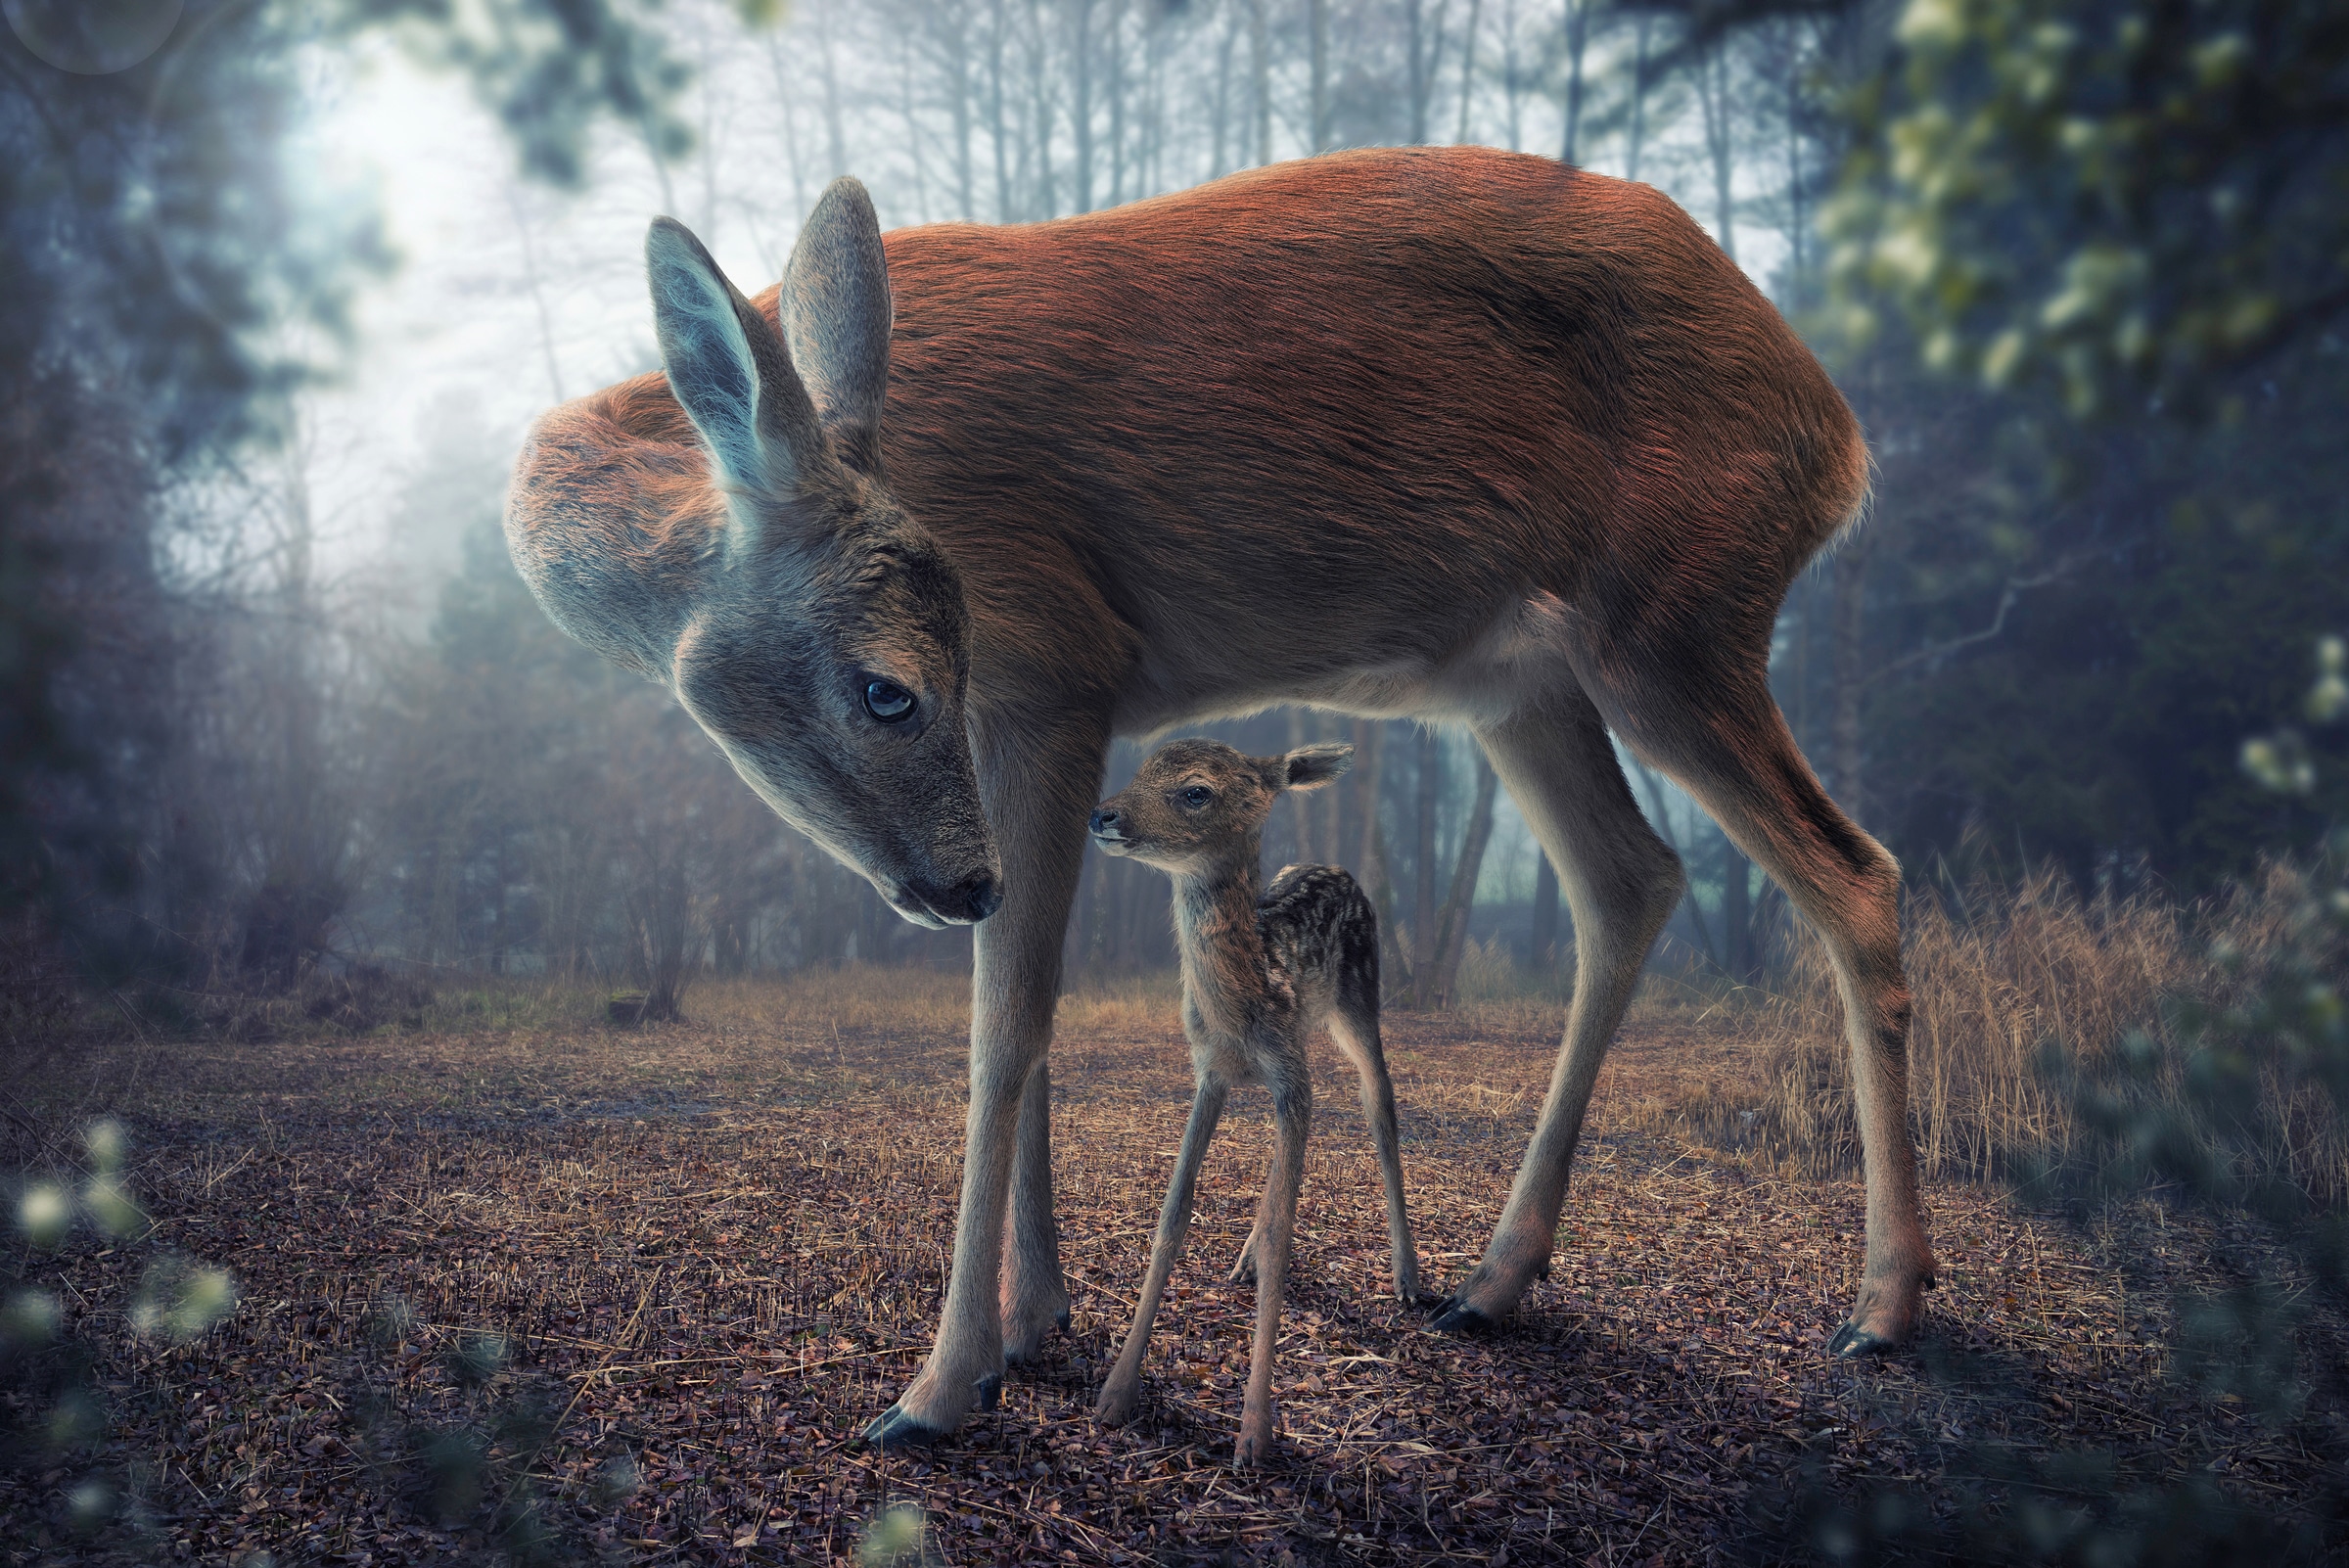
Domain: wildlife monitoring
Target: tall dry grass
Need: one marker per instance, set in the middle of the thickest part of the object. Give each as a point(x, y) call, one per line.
point(2005, 981)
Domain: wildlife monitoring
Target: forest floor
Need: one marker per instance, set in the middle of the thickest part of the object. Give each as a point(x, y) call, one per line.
point(633, 1295)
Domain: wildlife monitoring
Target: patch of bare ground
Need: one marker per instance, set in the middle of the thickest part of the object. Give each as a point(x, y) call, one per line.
point(714, 1250)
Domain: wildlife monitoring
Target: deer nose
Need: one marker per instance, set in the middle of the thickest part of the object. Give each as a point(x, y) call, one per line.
point(974, 896)
point(1104, 820)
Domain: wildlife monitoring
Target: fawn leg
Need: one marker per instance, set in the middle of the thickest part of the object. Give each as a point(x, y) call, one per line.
point(1354, 1027)
point(1120, 1393)
point(1260, 1423)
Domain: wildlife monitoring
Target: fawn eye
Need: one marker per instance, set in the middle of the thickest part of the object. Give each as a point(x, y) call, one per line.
point(1197, 796)
point(886, 701)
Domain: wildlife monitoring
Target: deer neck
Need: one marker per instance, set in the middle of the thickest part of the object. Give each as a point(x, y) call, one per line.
point(1222, 952)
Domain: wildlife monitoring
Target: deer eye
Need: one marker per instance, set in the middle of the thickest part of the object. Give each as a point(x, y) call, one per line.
point(1197, 796)
point(887, 702)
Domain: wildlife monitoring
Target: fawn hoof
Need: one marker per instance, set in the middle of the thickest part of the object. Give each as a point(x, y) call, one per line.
point(894, 1428)
point(988, 1392)
point(1455, 1316)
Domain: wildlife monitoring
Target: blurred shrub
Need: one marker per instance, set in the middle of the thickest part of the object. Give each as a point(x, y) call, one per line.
point(53, 1408)
point(2103, 196)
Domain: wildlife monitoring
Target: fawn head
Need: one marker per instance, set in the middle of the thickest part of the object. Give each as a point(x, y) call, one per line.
point(817, 634)
point(1197, 802)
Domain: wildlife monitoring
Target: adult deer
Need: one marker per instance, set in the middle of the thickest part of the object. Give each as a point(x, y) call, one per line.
point(1447, 435)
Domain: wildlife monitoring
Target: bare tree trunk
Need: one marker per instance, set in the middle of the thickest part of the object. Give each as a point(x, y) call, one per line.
point(707, 153)
point(1577, 38)
point(530, 273)
point(1545, 912)
point(1640, 85)
point(1154, 172)
point(1452, 927)
point(1796, 222)
point(1425, 783)
point(1736, 914)
point(1332, 838)
point(1512, 78)
point(1216, 165)
point(958, 83)
point(832, 124)
point(1369, 767)
point(1081, 102)
point(1112, 60)
point(994, 111)
point(1039, 79)
point(1426, 51)
point(1259, 69)
point(1468, 67)
point(1377, 875)
point(1713, 95)
point(913, 132)
point(1317, 24)
point(1301, 807)
point(1851, 672)
point(1662, 820)
point(788, 102)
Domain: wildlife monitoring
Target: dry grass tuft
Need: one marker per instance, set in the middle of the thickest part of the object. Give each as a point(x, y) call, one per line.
point(1995, 986)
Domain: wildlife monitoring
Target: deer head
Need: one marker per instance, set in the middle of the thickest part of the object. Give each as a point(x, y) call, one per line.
point(810, 626)
point(1197, 803)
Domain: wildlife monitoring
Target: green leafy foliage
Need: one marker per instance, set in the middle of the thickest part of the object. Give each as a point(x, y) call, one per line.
point(2115, 197)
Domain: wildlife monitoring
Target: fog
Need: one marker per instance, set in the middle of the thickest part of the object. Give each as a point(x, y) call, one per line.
point(2096, 566)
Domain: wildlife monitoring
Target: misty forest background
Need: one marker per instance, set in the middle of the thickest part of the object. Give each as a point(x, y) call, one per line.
point(283, 294)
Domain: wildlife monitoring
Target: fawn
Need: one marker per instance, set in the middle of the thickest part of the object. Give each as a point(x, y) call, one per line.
point(1258, 973)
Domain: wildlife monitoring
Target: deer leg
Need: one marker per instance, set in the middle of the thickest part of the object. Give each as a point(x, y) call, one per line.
point(1621, 883)
point(1738, 760)
point(1243, 1267)
point(1354, 1027)
point(1037, 787)
point(1293, 1114)
point(1123, 1390)
point(1034, 1299)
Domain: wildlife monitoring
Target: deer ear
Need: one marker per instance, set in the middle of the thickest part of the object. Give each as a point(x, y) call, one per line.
point(730, 372)
point(1312, 766)
point(836, 316)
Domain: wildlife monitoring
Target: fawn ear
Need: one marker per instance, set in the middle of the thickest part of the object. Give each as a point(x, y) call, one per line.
point(1312, 766)
point(730, 374)
point(836, 314)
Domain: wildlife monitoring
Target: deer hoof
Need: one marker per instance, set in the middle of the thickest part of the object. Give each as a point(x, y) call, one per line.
point(892, 1428)
point(1455, 1316)
point(1258, 1443)
point(988, 1392)
point(1852, 1342)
